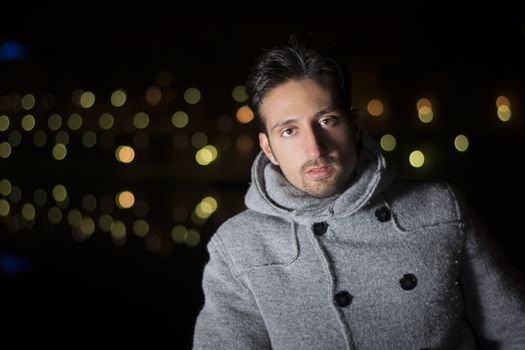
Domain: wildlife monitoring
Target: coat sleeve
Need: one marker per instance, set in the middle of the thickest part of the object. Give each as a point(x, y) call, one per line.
point(494, 289)
point(230, 318)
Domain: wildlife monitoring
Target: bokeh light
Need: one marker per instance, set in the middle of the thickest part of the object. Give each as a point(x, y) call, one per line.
point(5, 150)
point(74, 122)
point(179, 119)
point(461, 143)
point(141, 120)
point(59, 151)
point(239, 93)
point(375, 108)
point(192, 96)
point(28, 102)
point(87, 99)
point(125, 154)
point(504, 113)
point(388, 142)
point(4, 122)
point(5, 187)
point(54, 122)
point(118, 98)
point(125, 199)
point(28, 122)
point(141, 228)
point(59, 193)
point(417, 159)
point(244, 115)
point(153, 95)
point(206, 155)
point(106, 121)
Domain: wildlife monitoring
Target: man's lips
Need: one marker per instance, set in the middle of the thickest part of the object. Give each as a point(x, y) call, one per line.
point(319, 171)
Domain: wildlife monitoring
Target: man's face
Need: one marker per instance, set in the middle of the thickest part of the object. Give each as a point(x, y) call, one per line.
point(309, 137)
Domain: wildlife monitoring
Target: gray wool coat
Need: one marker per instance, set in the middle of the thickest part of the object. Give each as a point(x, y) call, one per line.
point(388, 264)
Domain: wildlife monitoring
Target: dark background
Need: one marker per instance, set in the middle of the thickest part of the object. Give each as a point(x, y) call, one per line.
point(57, 291)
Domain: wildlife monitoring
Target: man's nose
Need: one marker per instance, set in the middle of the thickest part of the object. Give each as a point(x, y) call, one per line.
point(314, 144)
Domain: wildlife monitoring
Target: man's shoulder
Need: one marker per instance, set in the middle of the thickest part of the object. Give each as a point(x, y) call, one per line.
point(423, 202)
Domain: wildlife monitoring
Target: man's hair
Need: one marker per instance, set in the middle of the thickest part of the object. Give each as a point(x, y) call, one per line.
point(296, 61)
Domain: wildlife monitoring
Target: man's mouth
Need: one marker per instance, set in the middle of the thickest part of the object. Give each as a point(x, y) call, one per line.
point(320, 171)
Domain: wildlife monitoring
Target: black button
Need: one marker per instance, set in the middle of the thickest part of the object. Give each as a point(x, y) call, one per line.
point(319, 228)
point(383, 214)
point(408, 282)
point(343, 298)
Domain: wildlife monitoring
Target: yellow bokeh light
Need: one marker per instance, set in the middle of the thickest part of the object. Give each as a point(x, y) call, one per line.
point(239, 93)
point(62, 137)
point(502, 101)
point(179, 234)
point(211, 202)
point(28, 102)
point(417, 159)
point(106, 121)
point(125, 154)
point(461, 143)
point(28, 211)
point(425, 114)
point(4, 122)
point(125, 199)
point(179, 119)
point(54, 215)
point(118, 98)
point(192, 96)
point(28, 122)
point(39, 197)
point(193, 238)
point(74, 121)
point(39, 138)
point(87, 226)
point(54, 122)
point(89, 139)
point(141, 228)
point(388, 142)
point(105, 222)
point(5, 150)
point(5, 187)
point(74, 217)
point(199, 139)
point(423, 102)
point(59, 151)
point(504, 113)
point(14, 137)
point(206, 155)
point(89, 202)
point(153, 95)
point(244, 115)
point(375, 108)
point(87, 99)
point(4, 207)
point(59, 193)
point(141, 120)
point(118, 230)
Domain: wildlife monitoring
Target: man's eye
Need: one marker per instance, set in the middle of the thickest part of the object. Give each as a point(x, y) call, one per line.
point(327, 121)
point(287, 132)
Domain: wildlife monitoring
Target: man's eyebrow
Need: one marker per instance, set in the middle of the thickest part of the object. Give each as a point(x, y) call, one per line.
point(325, 111)
point(284, 122)
point(316, 115)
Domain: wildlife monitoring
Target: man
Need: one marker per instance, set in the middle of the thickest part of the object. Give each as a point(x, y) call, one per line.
point(334, 251)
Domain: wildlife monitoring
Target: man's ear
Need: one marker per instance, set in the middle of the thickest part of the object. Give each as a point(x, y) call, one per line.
point(265, 146)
